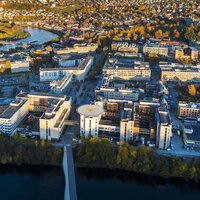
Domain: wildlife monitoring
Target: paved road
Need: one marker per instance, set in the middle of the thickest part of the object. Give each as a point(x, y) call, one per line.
point(176, 140)
point(174, 109)
point(178, 149)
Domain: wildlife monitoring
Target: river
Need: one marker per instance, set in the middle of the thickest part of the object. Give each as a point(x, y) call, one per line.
point(37, 34)
point(47, 183)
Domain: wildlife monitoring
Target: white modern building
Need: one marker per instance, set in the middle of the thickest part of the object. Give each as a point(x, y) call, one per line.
point(111, 90)
point(61, 86)
point(68, 60)
point(20, 66)
point(79, 71)
point(164, 128)
point(90, 116)
point(122, 70)
point(178, 72)
point(115, 93)
point(79, 48)
point(93, 122)
point(52, 121)
point(54, 109)
point(127, 123)
point(13, 115)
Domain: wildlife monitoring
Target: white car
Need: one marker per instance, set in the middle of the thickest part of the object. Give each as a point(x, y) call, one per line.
point(151, 145)
point(168, 149)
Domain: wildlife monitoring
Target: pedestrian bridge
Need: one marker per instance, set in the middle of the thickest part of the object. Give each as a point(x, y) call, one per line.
point(71, 122)
point(68, 168)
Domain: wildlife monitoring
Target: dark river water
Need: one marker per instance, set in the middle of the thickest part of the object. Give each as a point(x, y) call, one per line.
point(47, 183)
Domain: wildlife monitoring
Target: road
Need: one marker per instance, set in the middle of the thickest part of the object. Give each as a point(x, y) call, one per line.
point(85, 93)
point(174, 107)
point(177, 141)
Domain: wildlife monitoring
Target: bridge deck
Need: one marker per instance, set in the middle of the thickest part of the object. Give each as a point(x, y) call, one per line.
point(68, 168)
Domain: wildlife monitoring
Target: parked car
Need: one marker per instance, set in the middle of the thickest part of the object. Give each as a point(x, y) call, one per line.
point(151, 145)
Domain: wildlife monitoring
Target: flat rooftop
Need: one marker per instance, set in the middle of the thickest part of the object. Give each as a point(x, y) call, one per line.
point(195, 135)
point(90, 110)
point(81, 66)
point(117, 64)
point(109, 122)
point(164, 116)
point(12, 109)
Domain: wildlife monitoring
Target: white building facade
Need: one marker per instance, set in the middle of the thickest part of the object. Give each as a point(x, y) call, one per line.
point(13, 115)
point(62, 86)
point(164, 128)
point(80, 72)
point(90, 116)
point(55, 109)
point(20, 66)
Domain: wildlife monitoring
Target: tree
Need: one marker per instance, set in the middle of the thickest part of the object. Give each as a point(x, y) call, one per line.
point(123, 154)
point(198, 36)
point(49, 49)
point(18, 137)
point(15, 136)
point(8, 64)
point(192, 90)
point(36, 143)
point(42, 143)
point(158, 34)
point(190, 34)
point(176, 34)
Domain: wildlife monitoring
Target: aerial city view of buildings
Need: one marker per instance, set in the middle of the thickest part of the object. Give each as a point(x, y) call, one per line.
point(125, 73)
point(133, 97)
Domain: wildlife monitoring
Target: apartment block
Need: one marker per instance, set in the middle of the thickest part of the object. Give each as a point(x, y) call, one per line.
point(179, 72)
point(20, 66)
point(79, 71)
point(108, 90)
point(127, 71)
point(53, 110)
point(124, 47)
point(61, 86)
point(191, 110)
point(78, 48)
point(164, 127)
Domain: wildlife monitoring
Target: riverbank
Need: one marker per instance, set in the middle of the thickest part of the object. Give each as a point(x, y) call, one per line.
point(99, 153)
point(17, 36)
point(19, 150)
point(38, 36)
point(12, 32)
point(96, 152)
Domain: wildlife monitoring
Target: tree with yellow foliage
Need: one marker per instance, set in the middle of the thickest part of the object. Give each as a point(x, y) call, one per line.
point(49, 48)
point(158, 34)
point(192, 90)
point(42, 143)
point(176, 34)
point(8, 64)
point(36, 143)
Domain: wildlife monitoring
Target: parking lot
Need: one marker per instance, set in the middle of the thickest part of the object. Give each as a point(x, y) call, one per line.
point(13, 80)
point(178, 147)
